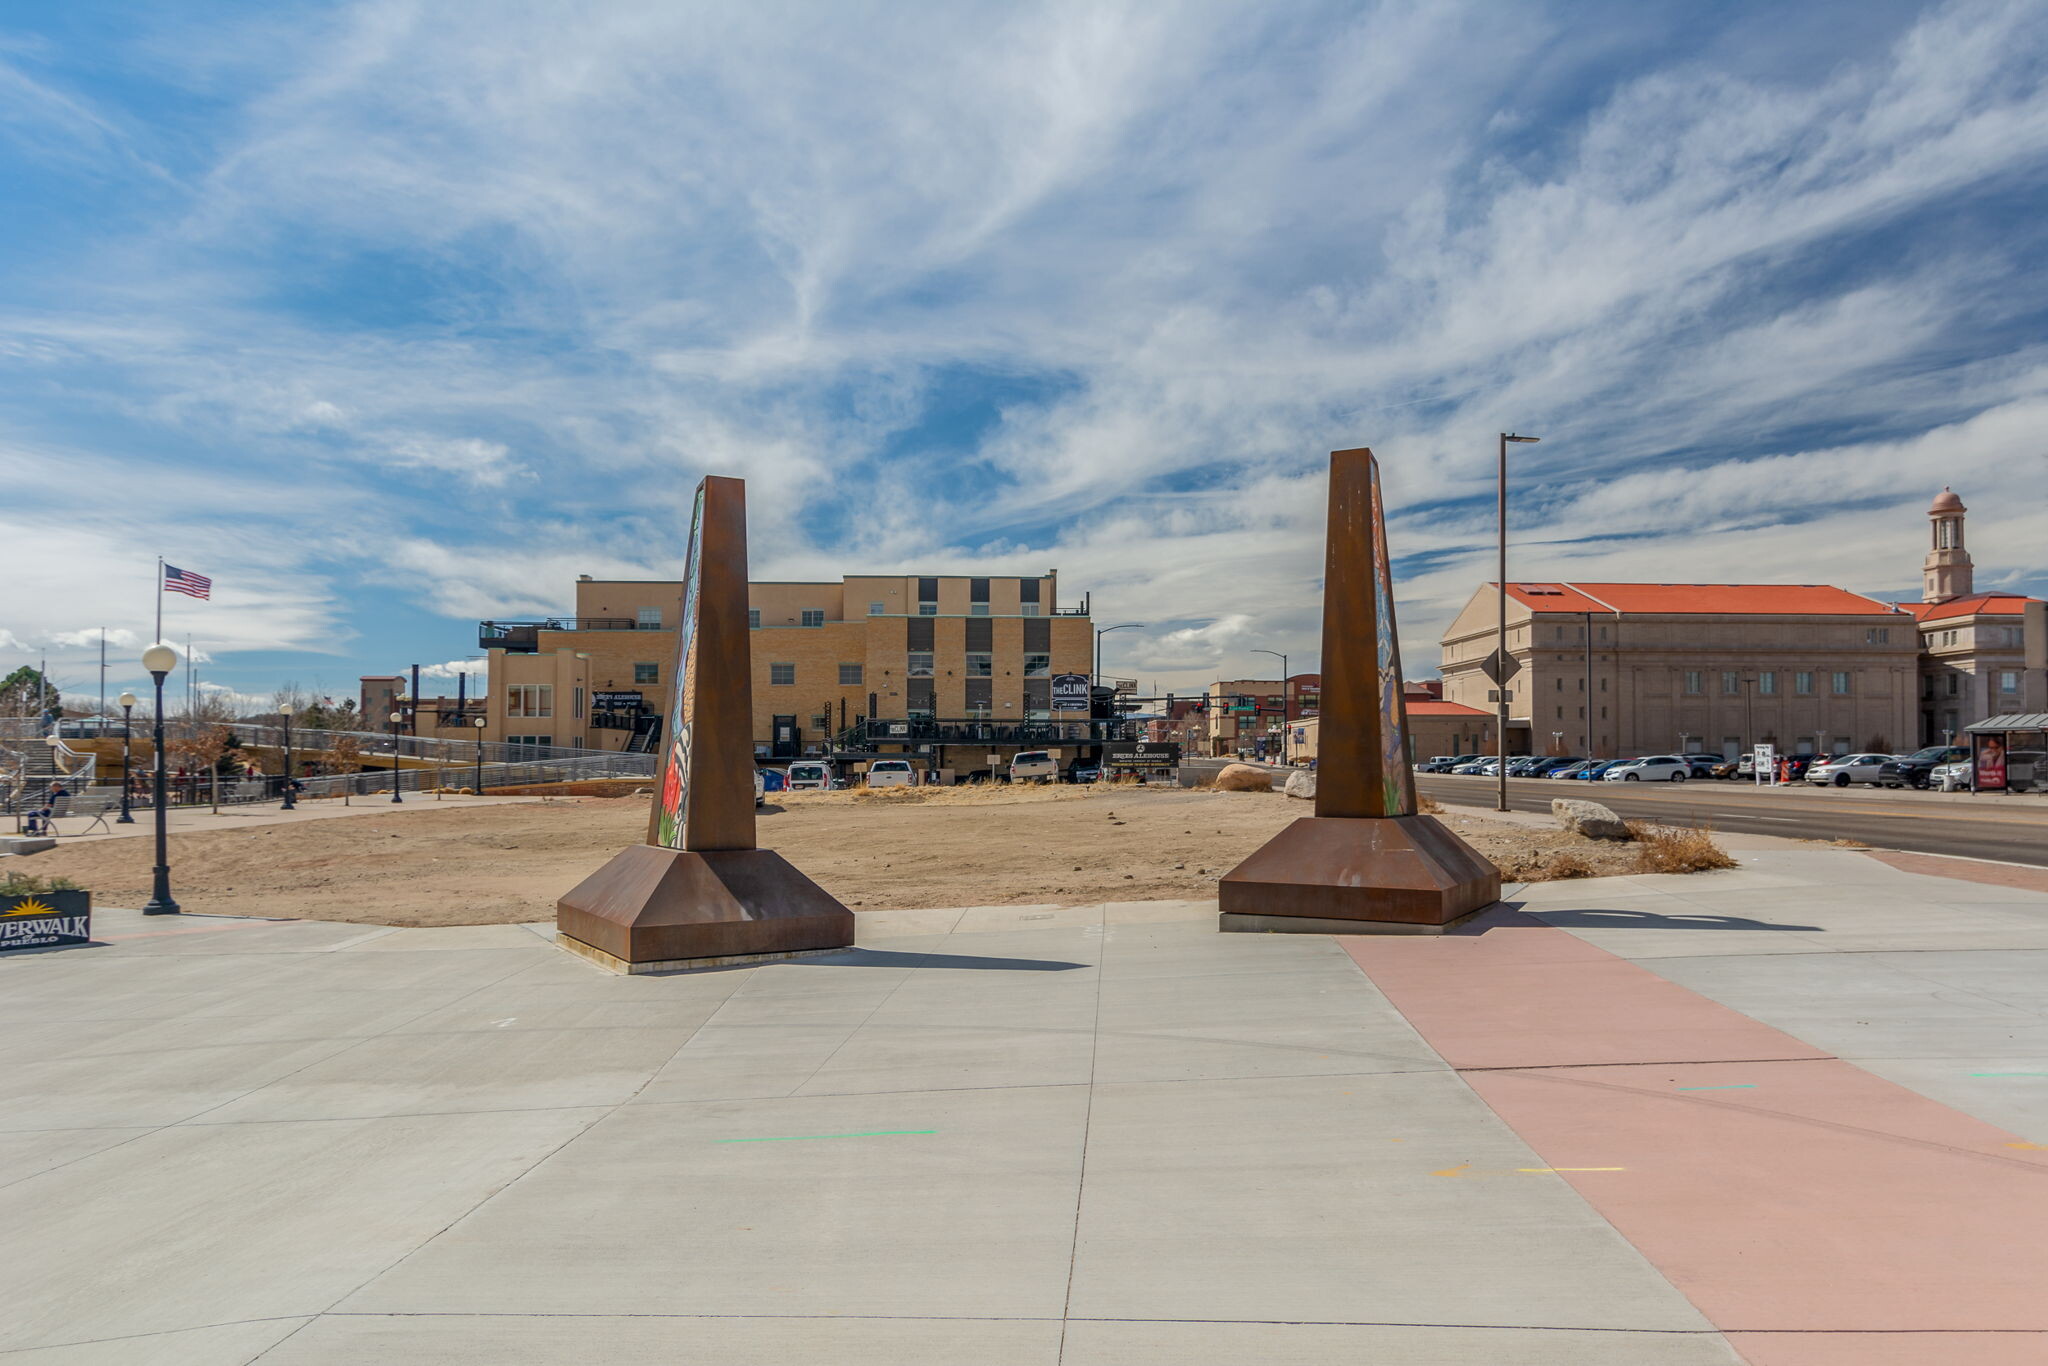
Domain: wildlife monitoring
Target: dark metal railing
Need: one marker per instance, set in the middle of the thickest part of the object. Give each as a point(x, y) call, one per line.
point(525, 635)
point(865, 734)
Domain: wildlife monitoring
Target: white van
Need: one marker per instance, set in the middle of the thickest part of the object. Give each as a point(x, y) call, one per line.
point(807, 776)
point(891, 773)
point(1034, 766)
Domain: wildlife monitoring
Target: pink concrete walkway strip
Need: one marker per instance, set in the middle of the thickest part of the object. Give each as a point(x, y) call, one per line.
point(1965, 870)
point(1803, 1204)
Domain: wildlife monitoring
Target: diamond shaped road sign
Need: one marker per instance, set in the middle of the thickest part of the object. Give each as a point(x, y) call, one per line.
point(1500, 667)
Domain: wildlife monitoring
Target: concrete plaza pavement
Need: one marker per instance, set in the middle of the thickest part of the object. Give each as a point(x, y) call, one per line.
point(1794, 1114)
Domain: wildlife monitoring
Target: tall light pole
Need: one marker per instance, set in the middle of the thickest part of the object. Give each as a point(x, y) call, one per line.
point(160, 659)
point(1095, 680)
point(1500, 739)
point(290, 804)
point(128, 700)
point(397, 720)
point(1286, 703)
point(480, 723)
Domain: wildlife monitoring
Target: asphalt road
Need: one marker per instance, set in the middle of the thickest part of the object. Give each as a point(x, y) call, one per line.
point(2013, 829)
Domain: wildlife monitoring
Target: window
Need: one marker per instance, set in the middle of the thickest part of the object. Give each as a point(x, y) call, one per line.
point(1692, 682)
point(782, 675)
point(1731, 682)
point(980, 664)
point(1878, 635)
point(927, 609)
point(647, 673)
point(579, 703)
point(649, 619)
point(1038, 666)
point(2008, 680)
point(877, 609)
point(1028, 609)
point(849, 675)
point(530, 699)
point(977, 609)
point(920, 664)
point(532, 741)
point(1767, 682)
point(814, 616)
point(1560, 685)
point(1954, 684)
point(1802, 683)
point(1840, 681)
point(754, 618)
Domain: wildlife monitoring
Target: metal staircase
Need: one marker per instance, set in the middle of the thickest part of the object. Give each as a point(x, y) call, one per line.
point(646, 735)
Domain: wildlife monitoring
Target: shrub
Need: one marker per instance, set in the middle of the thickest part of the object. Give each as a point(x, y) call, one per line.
point(1428, 805)
point(28, 884)
point(1668, 849)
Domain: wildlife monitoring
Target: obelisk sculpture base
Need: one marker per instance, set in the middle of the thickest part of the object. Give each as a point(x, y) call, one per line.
point(1358, 875)
point(673, 910)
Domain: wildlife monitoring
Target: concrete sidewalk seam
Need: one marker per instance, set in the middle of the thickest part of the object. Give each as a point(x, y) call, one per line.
point(1081, 1173)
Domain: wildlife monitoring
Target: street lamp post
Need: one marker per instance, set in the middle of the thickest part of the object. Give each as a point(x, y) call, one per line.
point(128, 700)
point(290, 803)
point(160, 659)
point(397, 720)
point(480, 723)
point(1095, 680)
point(1500, 739)
point(1286, 703)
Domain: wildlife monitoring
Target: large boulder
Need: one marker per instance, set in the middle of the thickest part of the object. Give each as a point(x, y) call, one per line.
point(1302, 783)
point(1590, 819)
point(1243, 778)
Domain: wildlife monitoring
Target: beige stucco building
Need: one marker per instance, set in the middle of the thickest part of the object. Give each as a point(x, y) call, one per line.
point(948, 670)
point(1618, 669)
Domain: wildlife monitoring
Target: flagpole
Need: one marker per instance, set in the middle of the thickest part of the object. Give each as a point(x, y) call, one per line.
point(159, 597)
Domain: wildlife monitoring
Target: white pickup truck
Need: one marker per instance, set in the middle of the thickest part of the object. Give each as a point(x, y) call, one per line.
point(891, 773)
point(1034, 766)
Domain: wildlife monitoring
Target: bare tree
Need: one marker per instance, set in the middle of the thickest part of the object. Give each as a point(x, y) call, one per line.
point(344, 756)
point(206, 745)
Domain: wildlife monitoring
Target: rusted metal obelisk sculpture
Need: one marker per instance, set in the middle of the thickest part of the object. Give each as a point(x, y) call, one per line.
point(1367, 862)
point(698, 893)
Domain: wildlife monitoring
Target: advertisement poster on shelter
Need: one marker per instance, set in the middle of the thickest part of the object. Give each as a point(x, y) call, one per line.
point(1988, 761)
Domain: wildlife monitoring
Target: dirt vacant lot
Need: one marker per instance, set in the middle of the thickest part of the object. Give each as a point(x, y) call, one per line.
point(934, 847)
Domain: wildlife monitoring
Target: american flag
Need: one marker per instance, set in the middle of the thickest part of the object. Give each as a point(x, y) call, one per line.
point(185, 581)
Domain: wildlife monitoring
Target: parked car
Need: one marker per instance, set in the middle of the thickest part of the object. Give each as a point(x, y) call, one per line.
point(760, 788)
point(1033, 766)
point(1917, 769)
point(1477, 768)
point(1571, 769)
point(1546, 767)
point(809, 776)
point(1699, 765)
point(1084, 773)
point(1796, 765)
point(1598, 769)
point(1723, 768)
point(1524, 766)
point(1656, 768)
point(1843, 769)
point(891, 773)
point(1953, 776)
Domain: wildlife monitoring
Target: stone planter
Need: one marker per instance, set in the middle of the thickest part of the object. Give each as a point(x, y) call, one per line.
point(44, 920)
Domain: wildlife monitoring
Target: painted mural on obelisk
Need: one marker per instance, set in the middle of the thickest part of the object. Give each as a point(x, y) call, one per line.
point(1397, 776)
point(672, 810)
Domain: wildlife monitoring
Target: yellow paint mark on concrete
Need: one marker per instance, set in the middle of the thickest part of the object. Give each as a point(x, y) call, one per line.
point(1571, 1169)
point(2030, 1147)
point(1460, 1170)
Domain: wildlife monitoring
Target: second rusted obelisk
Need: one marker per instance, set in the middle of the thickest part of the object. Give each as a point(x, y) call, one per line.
point(699, 893)
point(1367, 862)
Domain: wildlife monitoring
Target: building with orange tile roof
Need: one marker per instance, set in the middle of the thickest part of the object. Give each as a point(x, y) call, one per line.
point(1613, 669)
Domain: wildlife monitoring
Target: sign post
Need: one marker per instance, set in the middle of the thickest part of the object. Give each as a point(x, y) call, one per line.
point(1763, 767)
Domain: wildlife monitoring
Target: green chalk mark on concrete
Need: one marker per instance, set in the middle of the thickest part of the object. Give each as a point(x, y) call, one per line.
point(2009, 1074)
point(801, 1138)
point(1732, 1086)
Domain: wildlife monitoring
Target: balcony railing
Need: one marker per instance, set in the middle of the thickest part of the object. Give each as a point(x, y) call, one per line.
point(525, 635)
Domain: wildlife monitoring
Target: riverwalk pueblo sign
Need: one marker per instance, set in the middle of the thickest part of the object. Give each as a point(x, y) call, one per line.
point(45, 920)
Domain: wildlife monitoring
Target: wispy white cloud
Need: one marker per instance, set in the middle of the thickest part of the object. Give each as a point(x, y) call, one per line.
point(463, 300)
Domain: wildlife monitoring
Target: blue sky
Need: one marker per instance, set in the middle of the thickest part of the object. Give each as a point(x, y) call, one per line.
point(391, 316)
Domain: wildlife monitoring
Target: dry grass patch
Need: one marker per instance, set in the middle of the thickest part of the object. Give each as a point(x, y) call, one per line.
point(1676, 849)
